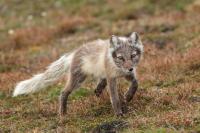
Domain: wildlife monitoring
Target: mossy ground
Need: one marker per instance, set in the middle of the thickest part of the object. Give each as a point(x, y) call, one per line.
point(35, 33)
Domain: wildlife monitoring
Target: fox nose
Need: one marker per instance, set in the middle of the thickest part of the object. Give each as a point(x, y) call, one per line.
point(131, 69)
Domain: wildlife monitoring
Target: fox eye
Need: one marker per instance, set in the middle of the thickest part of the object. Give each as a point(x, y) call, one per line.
point(121, 58)
point(130, 41)
point(133, 55)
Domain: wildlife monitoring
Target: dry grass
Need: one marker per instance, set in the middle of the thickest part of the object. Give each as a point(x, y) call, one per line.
point(37, 36)
point(169, 74)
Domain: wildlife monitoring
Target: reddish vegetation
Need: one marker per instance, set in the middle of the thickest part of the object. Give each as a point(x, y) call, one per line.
point(37, 36)
point(23, 38)
point(169, 74)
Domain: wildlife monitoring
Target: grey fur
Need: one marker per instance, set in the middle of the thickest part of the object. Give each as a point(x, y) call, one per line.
point(114, 96)
point(132, 89)
point(100, 87)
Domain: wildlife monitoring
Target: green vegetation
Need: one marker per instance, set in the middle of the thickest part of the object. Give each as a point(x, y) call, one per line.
point(35, 33)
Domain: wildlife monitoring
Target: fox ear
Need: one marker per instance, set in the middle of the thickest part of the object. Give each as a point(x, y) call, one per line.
point(134, 38)
point(114, 40)
point(135, 41)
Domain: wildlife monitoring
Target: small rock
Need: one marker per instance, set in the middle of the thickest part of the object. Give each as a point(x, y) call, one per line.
point(195, 98)
point(110, 127)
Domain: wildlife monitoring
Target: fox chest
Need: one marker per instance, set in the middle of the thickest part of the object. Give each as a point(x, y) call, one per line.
point(94, 66)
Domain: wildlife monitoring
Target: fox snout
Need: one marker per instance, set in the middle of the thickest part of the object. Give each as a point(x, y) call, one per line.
point(128, 66)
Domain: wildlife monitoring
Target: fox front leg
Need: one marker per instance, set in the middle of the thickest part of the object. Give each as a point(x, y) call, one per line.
point(100, 87)
point(132, 89)
point(114, 97)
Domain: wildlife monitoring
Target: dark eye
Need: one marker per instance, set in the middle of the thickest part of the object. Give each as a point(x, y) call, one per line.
point(133, 55)
point(130, 41)
point(121, 58)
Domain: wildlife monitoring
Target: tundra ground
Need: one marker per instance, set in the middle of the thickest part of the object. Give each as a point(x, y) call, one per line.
point(35, 33)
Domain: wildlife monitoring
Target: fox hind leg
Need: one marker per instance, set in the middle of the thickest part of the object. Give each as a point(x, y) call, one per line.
point(74, 80)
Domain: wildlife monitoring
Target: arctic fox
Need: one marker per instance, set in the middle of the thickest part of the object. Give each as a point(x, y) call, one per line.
point(105, 59)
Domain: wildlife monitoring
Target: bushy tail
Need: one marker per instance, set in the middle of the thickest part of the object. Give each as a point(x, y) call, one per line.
point(54, 72)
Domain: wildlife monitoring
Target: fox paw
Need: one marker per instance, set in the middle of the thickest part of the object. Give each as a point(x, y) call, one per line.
point(97, 92)
point(124, 108)
point(128, 97)
point(120, 114)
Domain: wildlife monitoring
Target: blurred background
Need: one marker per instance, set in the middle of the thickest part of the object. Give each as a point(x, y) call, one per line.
point(33, 33)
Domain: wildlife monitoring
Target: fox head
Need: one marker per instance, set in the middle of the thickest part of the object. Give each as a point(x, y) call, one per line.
point(126, 51)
